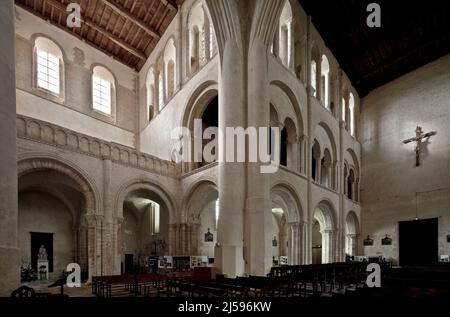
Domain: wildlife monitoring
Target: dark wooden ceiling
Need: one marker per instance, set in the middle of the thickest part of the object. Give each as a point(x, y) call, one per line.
point(127, 30)
point(412, 34)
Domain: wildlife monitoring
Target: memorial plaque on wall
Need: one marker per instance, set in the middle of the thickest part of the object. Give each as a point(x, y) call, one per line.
point(209, 237)
point(386, 241)
point(368, 241)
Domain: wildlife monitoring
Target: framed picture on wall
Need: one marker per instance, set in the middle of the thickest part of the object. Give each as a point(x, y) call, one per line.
point(368, 241)
point(386, 241)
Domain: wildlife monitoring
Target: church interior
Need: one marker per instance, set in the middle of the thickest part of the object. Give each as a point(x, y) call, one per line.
point(107, 108)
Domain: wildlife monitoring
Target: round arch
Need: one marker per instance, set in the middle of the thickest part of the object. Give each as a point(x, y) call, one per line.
point(352, 232)
point(330, 137)
point(294, 102)
point(148, 185)
point(324, 215)
point(284, 194)
point(203, 185)
point(38, 162)
point(198, 101)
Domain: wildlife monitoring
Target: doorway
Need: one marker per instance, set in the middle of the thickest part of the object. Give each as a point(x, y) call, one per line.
point(418, 242)
point(129, 263)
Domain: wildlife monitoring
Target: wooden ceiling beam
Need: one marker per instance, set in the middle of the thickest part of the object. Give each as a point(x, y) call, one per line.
point(85, 40)
point(123, 12)
point(170, 5)
point(101, 30)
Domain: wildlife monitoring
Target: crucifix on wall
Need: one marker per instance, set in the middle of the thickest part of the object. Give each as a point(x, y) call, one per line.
point(418, 139)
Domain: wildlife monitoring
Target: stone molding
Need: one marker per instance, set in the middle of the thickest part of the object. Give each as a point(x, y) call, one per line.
point(54, 135)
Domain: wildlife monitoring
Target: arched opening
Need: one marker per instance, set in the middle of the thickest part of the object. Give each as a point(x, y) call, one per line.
point(287, 232)
point(170, 56)
point(203, 216)
point(343, 110)
point(280, 237)
point(150, 87)
point(103, 90)
point(160, 83)
point(316, 243)
point(315, 160)
point(323, 215)
point(52, 222)
point(325, 168)
point(351, 185)
point(144, 231)
point(325, 82)
point(49, 66)
point(170, 79)
point(195, 50)
point(283, 147)
point(289, 145)
point(285, 36)
point(210, 120)
point(351, 234)
point(345, 179)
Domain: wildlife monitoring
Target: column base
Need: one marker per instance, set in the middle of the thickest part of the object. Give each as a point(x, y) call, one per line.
point(10, 268)
point(230, 261)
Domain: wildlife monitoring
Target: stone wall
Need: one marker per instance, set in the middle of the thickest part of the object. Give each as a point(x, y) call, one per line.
point(393, 188)
point(41, 212)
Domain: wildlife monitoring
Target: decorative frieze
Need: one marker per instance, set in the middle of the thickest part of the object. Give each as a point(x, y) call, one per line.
point(44, 132)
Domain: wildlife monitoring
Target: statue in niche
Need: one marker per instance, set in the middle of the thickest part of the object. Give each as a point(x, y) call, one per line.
point(42, 256)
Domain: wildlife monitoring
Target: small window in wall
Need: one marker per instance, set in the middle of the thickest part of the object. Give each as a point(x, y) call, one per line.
point(102, 90)
point(48, 66)
point(48, 71)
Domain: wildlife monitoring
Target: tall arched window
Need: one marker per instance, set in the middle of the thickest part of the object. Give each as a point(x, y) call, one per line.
point(325, 81)
point(343, 110)
point(170, 79)
point(103, 90)
point(170, 56)
point(212, 42)
point(351, 107)
point(49, 65)
point(201, 41)
point(313, 77)
point(285, 35)
point(150, 86)
point(160, 84)
point(195, 49)
point(161, 90)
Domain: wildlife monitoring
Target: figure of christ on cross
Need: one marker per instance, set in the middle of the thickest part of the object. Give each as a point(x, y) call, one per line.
point(418, 139)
